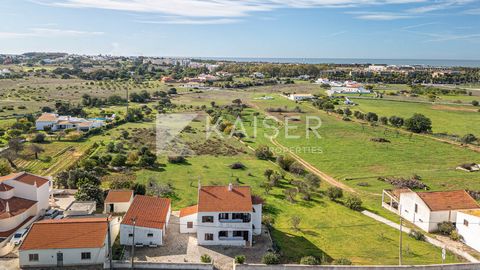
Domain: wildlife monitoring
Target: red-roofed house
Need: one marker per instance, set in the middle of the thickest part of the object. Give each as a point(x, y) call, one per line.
point(224, 215)
point(118, 201)
point(146, 221)
point(65, 242)
point(427, 209)
point(22, 197)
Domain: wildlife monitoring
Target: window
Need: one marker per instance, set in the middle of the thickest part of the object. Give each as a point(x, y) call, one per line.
point(237, 233)
point(253, 210)
point(86, 255)
point(33, 257)
point(222, 234)
point(130, 235)
point(237, 216)
point(209, 237)
point(465, 222)
point(416, 208)
point(207, 219)
point(189, 225)
point(149, 234)
point(223, 216)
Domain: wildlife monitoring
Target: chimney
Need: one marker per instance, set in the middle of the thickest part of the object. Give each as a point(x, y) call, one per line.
point(230, 187)
point(7, 207)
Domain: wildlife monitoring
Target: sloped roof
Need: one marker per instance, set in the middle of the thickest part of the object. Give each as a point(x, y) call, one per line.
point(66, 233)
point(47, 117)
point(448, 200)
point(119, 196)
point(26, 178)
point(187, 211)
point(221, 199)
point(16, 206)
point(148, 212)
point(5, 187)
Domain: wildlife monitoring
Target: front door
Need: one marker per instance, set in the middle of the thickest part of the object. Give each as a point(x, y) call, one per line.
point(60, 259)
point(111, 208)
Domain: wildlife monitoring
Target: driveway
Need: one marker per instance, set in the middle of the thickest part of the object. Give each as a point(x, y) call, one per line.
point(183, 248)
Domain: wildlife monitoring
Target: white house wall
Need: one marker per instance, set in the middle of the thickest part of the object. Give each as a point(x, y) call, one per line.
point(13, 222)
point(71, 257)
point(257, 219)
point(470, 233)
point(183, 223)
point(407, 210)
point(217, 226)
point(141, 235)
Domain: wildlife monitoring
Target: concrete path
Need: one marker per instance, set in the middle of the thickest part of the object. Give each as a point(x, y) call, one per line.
point(433, 241)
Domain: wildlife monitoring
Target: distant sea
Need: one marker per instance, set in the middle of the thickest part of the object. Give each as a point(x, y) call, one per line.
point(398, 62)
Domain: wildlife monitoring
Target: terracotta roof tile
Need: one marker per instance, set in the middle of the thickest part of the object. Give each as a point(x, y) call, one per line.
point(187, 211)
point(26, 178)
point(66, 233)
point(16, 206)
point(220, 199)
point(5, 187)
point(119, 196)
point(149, 212)
point(47, 117)
point(448, 200)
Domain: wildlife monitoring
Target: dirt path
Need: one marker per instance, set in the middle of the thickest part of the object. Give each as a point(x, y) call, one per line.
point(332, 181)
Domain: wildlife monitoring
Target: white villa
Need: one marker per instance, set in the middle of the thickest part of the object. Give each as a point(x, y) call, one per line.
point(351, 89)
point(118, 201)
point(65, 242)
point(468, 226)
point(58, 122)
point(224, 215)
point(300, 97)
point(427, 209)
point(23, 197)
point(145, 222)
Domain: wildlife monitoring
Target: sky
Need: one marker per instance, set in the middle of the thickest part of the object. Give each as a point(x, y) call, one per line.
point(386, 29)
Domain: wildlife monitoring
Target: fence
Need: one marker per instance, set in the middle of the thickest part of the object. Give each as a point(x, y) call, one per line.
point(462, 266)
point(154, 265)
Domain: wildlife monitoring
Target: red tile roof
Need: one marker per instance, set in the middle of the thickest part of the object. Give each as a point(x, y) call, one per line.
point(26, 178)
point(66, 233)
point(220, 199)
point(119, 196)
point(149, 212)
point(448, 200)
point(187, 211)
point(16, 206)
point(5, 187)
point(47, 117)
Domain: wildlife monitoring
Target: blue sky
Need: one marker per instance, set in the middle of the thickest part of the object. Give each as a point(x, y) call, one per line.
point(413, 29)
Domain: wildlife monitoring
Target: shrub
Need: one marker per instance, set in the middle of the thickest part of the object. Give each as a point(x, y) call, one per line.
point(309, 260)
point(240, 259)
point(417, 235)
point(176, 159)
point(354, 203)
point(205, 258)
point(396, 121)
point(38, 138)
point(419, 123)
point(475, 103)
point(296, 168)
point(334, 193)
point(118, 160)
point(237, 166)
point(455, 236)
point(342, 261)
point(284, 162)
point(270, 258)
point(446, 228)
point(263, 152)
point(469, 138)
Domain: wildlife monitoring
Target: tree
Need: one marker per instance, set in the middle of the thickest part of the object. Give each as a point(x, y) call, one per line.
point(5, 168)
point(475, 103)
point(347, 112)
point(469, 138)
point(119, 160)
point(36, 149)
point(90, 192)
point(284, 162)
point(354, 203)
point(396, 121)
point(263, 152)
point(419, 123)
point(39, 138)
point(295, 222)
point(371, 117)
point(384, 120)
point(10, 156)
point(334, 193)
point(15, 145)
point(312, 181)
point(296, 168)
point(290, 193)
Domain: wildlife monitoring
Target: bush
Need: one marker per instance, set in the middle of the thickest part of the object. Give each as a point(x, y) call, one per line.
point(334, 193)
point(270, 258)
point(119, 160)
point(446, 228)
point(342, 261)
point(455, 236)
point(284, 162)
point(205, 258)
point(38, 138)
point(309, 260)
point(417, 235)
point(354, 203)
point(237, 166)
point(176, 159)
point(240, 259)
point(469, 138)
point(419, 123)
point(296, 168)
point(263, 152)
point(475, 103)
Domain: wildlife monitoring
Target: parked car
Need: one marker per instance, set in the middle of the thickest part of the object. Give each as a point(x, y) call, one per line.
point(50, 214)
point(19, 236)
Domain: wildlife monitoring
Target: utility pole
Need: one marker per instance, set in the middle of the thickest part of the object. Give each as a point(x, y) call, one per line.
point(126, 90)
point(400, 245)
point(133, 240)
point(109, 245)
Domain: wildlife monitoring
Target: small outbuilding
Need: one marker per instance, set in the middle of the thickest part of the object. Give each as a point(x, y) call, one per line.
point(468, 226)
point(118, 201)
point(80, 208)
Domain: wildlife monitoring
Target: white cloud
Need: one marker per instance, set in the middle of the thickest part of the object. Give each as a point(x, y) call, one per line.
point(380, 16)
point(48, 32)
point(182, 20)
point(213, 8)
point(441, 5)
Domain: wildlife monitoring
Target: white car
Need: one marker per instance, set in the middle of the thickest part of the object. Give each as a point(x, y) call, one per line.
point(19, 236)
